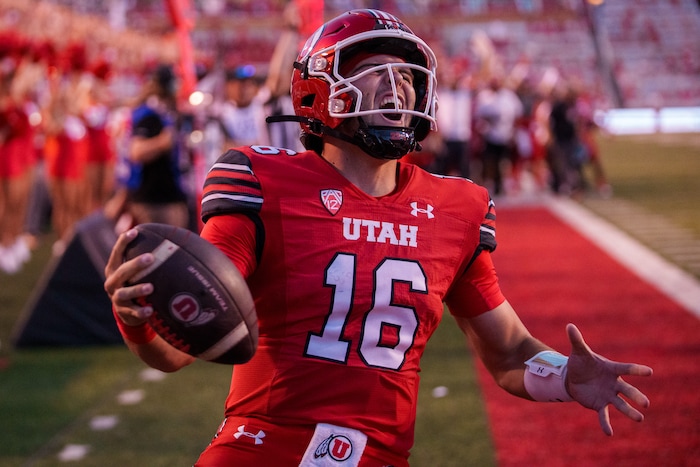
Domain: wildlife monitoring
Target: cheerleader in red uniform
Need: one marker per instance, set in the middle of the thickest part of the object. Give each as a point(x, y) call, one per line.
point(66, 149)
point(101, 154)
point(16, 154)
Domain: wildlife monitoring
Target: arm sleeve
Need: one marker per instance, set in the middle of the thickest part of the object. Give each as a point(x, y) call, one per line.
point(235, 235)
point(477, 290)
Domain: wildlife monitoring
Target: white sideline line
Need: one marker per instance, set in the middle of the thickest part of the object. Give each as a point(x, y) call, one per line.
point(680, 286)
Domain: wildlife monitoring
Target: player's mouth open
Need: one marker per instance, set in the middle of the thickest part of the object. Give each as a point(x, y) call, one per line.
point(390, 105)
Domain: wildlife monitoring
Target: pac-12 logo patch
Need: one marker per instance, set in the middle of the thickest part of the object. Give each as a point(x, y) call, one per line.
point(337, 447)
point(332, 200)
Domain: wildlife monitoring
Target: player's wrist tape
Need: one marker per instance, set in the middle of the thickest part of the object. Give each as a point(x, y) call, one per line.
point(141, 334)
point(545, 377)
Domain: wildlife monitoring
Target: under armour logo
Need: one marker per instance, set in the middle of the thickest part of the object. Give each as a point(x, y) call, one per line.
point(257, 437)
point(428, 211)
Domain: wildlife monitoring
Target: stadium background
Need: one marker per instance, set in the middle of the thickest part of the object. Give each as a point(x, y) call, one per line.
point(630, 54)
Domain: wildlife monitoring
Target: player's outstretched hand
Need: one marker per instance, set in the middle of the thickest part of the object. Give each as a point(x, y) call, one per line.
point(596, 382)
point(117, 273)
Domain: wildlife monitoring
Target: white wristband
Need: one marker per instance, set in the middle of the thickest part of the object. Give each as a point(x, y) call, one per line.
point(545, 377)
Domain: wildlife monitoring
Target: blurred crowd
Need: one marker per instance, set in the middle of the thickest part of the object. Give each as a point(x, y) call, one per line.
point(54, 140)
point(65, 79)
point(83, 132)
point(514, 135)
point(97, 124)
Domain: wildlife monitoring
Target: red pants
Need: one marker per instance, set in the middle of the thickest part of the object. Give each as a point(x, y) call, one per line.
point(248, 442)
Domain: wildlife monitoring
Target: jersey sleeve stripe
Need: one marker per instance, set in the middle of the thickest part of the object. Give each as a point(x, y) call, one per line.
point(231, 187)
point(487, 237)
point(254, 200)
point(231, 184)
point(216, 179)
point(231, 167)
point(242, 177)
point(234, 158)
point(487, 231)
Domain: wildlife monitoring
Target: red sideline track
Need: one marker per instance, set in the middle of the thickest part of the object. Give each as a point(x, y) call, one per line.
point(553, 275)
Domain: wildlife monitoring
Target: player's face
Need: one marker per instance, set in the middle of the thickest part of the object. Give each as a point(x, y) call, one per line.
point(378, 87)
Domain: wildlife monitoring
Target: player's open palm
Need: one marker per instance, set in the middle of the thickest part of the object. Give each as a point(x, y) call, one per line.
point(596, 382)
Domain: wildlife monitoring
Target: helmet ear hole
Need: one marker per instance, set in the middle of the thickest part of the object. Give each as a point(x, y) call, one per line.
point(308, 100)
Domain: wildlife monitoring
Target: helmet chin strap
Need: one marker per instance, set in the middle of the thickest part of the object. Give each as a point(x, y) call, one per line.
point(384, 142)
point(380, 142)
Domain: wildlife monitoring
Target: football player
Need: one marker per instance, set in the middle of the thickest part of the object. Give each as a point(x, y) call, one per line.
point(350, 255)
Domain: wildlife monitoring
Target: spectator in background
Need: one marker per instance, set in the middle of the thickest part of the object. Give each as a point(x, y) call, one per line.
point(16, 155)
point(243, 113)
point(96, 113)
point(237, 114)
point(298, 16)
point(541, 136)
point(454, 123)
point(530, 174)
point(573, 147)
point(153, 191)
point(497, 110)
point(564, 156)
point(66, 149)
point(44, 58)
point(251, 95)
point(586, 129)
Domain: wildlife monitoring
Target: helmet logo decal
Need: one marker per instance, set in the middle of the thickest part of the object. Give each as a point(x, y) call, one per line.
point(387, 21)
point(311, 43)
point(332, 200)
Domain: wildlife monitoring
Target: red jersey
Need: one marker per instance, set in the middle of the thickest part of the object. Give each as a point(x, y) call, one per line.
point(348, 287)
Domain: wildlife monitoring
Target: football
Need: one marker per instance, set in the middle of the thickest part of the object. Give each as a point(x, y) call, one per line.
point(201, 303)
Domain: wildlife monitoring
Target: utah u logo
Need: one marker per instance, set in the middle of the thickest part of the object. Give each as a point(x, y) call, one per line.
point(185, 308)
point(338, 448)
point(332, 200)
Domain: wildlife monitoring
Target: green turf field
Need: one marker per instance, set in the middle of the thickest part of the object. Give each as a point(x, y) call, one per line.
point(50, 397)
point(661, 173)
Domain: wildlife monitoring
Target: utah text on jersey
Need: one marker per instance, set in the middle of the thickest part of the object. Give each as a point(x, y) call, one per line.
point(380, 232)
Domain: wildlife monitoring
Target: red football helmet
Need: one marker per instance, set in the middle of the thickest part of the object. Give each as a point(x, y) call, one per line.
point(323, 97)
